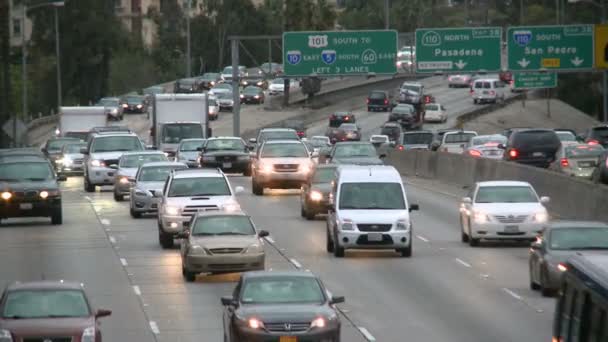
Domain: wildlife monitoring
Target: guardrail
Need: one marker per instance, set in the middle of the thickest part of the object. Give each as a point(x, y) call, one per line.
point(570, 198)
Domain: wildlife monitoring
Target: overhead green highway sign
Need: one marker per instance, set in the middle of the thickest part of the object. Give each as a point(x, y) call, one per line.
point(458, 49)
point(568, 47)
point(339, 53)
point(535, 80)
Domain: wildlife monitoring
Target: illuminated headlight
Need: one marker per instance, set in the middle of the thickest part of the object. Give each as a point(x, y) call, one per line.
point(256, 96)
point(316, 196)
point(124, 180)
point(169, 210)
point(125, 105)
point(259, 84)
point(67, 161)
point(245, 82)
point(318, 323)
point(6, 195)
point(231, 207)
point(139, 106)
point(114, 111)
point(59, 161)
point(57, 131)
point(97, 163)
point(44, 194)
point(5, 336)
point(480, 217)
point(402, 225)
point(255, 323)
point(242, 96)
point(212, 83)
point(255, 248)
point(266, 168)
point(88, 335)
point(541, 217)
point(347, 224)
point(197, 250)
point(305, 168)
point(166, 154)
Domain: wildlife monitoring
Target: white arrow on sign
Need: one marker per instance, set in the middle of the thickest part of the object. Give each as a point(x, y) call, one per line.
point(460, 64)
point(576, 61)
point(523, 62)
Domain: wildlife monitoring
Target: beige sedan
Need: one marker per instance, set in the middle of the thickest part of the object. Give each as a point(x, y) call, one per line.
point(221, 242)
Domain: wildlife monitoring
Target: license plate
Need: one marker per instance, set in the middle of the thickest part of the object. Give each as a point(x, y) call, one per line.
point(485, 92)
point(25, 206)
point(511, 229)
point(375, 237)
point(227, 165)
point(288, 339)
point(586, 164)
point(492, 153)
point(538, 154)
point(110, 174)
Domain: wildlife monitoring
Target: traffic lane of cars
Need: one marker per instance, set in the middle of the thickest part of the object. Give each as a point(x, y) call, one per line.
point(78, 250)
point(181, 311)
point(433, 296)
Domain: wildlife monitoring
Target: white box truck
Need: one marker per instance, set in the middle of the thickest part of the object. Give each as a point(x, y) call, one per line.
point(75, 122)
point(176, 117)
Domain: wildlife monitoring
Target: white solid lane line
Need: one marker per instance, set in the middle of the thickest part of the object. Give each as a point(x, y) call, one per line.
point(368, 336)
point(154, 328)
point(105, 222)
point(422, 238)
point(123, 261)
point(270, 239)
point(137, 290)
point(463, 263)
point(512, 294)
point(112, 239)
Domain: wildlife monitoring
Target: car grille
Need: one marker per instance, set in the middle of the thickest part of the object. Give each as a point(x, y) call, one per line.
point(226, 267)
point(47, 339)
point(221, 159)
point(287, 327)
point(285, 167)
point(109, 162)
point(374, 227)
point(226, 250)
point(78, 161)
point(190, 210)
point(386, 240)
point(511, 218)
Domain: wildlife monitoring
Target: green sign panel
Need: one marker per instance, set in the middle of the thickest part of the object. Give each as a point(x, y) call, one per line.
point(535, 80)
point(339, 53)
point(550, 47)
point(458, 49)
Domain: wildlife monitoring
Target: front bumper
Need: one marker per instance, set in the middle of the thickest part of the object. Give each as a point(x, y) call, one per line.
point(238, 262)
point(173, 224)
point(327, 334)
point(433, 118)
point(73, 168)
point(29, 207)
point(100, 175)
point(134, 110)
point(318, 207)
point(505, 231)
point(238, 165)
point(281, 179)
point(584, 173)
point(251, 100)
point(144, 204)
point(364, 240)
point(121, 188)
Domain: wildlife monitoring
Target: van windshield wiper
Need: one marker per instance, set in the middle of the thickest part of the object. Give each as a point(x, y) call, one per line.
point(589, 247)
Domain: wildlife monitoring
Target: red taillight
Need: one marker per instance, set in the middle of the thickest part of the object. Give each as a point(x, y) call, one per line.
point(492, 92)
point(346, 118)
point(471, 91)
point(367, 101)
point(513, 153)
point(475, 153)
point(564, 162)
point(593, 142)
point(401, 147)
point(385, 101)
point(300, 134)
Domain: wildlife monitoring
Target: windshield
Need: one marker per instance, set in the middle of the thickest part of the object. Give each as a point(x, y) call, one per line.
point(387, 196)
point(380, 139)
point(355, 150)
point(156, 174)
point(578, 238)
point(458, 138)
point(432, 107)
point(348, 127)
point(281, 290)
point(403, 110)
point(26, 171)
point(45, 303)
point(319, 142)
point(134, 161)
point(225, 144)
point(506, 194)
point(377, 95)
point(388, 130)
point(324, 175)
point(252, 90)
point(57, 144)
point(278, 81)
point(535, 138)
point(210, 76)
point(600, 132)
point(223, 96)
point(566, 136)
point(77, 135)
point(418, 138)
point(108, 102)
point(493, 140)
point(227, 70)
point(73, 148)
point(135, 100)
point(223, 86)
point(279, 135)
point(116, 143)
point(584, 151)
point(201, 186)
point(174, 133)
point(223, 225)
point(191, 146)
point(411, 87)
point(284, 151)
point(212, 103)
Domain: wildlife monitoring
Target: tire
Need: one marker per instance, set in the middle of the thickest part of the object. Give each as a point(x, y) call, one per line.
point(247, 171)
point(473, 242)
point(338, 251)
point(88, 187)
point(405, 252)
point(302, 211)
point(463, 236)
point(189, 276)
point(329, 244)
point(474, 101)
point(256, 188)
point(307, 214)
point(165, 240)
point(118, 198)
point(369, 109)
point(134, 214)
point(533, 286)
point(545, 291)
point(57, 217)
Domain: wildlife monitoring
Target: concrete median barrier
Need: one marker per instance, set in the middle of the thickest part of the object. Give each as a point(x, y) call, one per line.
point(570, 198)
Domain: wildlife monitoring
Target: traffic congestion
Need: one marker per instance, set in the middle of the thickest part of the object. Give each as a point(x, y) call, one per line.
point(306, 232)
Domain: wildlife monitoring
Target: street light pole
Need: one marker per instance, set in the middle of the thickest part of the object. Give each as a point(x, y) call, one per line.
point(58, 54)
point(605, 74)
point(23, 75)
point(387, 18)
point(188, 57)
point(521, 12)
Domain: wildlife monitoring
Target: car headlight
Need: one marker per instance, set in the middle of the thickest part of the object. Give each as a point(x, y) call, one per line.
point(212, 83)
point(197, 250)
point(305, 168)
point(67, 161)
point(170, 210)
point(541, 217)
point(124, 180)
point(242, 96)
point(88, 335)
point(97, 163)
point(139, 106)
point(402, 224)
point(140, 193)
point(231, 207)
point(266, 168)
point(255, 248)
point(480, 217)
point(347, 224)
point(255, 323)
point(5, 336)
point(316, 195)
point(114, 111)
point(318, 323)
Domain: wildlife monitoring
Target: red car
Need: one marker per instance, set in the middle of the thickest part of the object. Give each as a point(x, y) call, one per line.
point(48, 311)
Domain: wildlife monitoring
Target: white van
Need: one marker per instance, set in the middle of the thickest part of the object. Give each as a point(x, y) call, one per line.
point(369, 210)
point(488, 90)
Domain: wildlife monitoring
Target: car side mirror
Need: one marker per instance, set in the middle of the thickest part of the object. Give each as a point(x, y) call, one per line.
point(382, 156)
point(253, 141)
point(103, 313)
point(84, 150)
point(263, 233)
point(336, 300)
point(228, 301)
point(62, 178)
point(158, 193)
point(545, 199)
point(113, 166)
point(502, 146)
point(467, 200)
point(414, 207)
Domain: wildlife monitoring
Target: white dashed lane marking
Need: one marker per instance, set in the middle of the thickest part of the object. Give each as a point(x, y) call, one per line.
point(463, 263)
point(154, 327)
point(123, 261)
point(368, 336)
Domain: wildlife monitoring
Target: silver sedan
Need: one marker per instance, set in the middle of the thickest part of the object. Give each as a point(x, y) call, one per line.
point(149, 179)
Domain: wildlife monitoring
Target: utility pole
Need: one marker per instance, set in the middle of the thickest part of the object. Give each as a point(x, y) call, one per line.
point(23, 74)
point(605, 73)
point(466, 13)
point(58, 54)
point(188, 52)
point(236, 93)
point(387, 14)
point(521, 12)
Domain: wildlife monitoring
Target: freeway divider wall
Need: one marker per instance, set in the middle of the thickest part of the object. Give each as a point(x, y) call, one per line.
point(570, 198)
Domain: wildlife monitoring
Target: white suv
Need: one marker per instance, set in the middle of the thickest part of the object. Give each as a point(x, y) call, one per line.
point(187, 192)
point(488, 90)
point(369, 210)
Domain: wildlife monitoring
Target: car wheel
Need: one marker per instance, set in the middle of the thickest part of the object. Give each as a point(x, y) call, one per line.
point(88, 187)
point(338, 251)
point(474, 101)
point(247, 171)
point(405, 252)
point(464, 237)
point(302, 210)
point(165, 240)
point(57, 216)
point(134, 214)
point(369, 109)
point(189, 276)
point(256, 188)
point(118, 198)
point(533, 285)
point(329, 244)
point(544, 290)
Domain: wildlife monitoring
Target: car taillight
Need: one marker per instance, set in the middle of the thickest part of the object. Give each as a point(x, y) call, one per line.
point(593, 142)
point(474, 153)
point(471, 91)
point(513, 153)
point(401, 147)
point(492, 92)
point(385, 101)
point(300, 134)
point(564, 162)
point(367, 101)
point(346, 118)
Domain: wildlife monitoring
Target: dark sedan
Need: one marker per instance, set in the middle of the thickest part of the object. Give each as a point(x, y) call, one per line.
point(348, 132)
point(231, 154)
point(134, 104)
point(255, 81)
point(338, 118)
point(281, 306)
point(52, 148)
point(252, 94)
point(597, 135)
point(404, 114)
point(208, 80)
point(48, 311)
point(186, 86)
point(600, 174)
point(315, 192)
point(352, 153)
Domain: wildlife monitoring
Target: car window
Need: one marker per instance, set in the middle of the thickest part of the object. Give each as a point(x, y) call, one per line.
point(584, 151)
point(57, 144)
point(133, 161)
point(278, 135)
point(116, 143)
point(432, 107)
point(492, 140)
point(24, 171)
point(403, 110)
point(377, 95)
point(505, 194)
point(191, 146)
point(355, 150)
point(417, 138)
point(371, 196)
point(281, 290)
point(600, 132)
point(223, 225)
point(174, 133)
point(284, 151)
point(534, 139)
point(45, 303)
point(108, 102)
point(156, 174)
point(566, 136)
point(411, 87)
point(456, 138)
point(73, 148)
point(324, 175)
point(200, 186)
point(225, 144)
point(349, 127)
point(578, 238)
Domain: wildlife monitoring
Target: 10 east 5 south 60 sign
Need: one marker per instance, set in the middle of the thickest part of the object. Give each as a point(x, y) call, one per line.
point(343, 53)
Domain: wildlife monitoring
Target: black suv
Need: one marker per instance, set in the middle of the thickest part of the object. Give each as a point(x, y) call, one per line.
point(378, 100)
point(230, 154)
point(28, 188)
point(338, 118)
point(597, 135)
point(535, 147)
point(600, 174)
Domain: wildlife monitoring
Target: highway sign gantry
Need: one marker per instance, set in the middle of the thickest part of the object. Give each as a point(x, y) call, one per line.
point(534, 80)
point(450, 50)
point(560, 48)
point(339, 53)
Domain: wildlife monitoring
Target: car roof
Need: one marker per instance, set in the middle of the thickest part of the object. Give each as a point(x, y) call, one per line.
point(281, 141)
point(45, 285)
point(342, 143)
point(418, 132)
point(114, 134)
point(326, 166)
point(272, 274)
point(486, 80)
point(13, 159)
point(503, 183)
point(576, 224)
point(593, 265)
point(192, 139)
point(197, 173)
point(371, 173)
point(276, 129)
point(224, 138)
point(343, 113)
point(137, 153)
point(162, 163)
point(207, 213)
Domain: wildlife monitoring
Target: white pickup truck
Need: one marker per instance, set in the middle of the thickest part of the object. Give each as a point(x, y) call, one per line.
point(455, 141)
